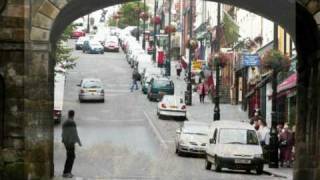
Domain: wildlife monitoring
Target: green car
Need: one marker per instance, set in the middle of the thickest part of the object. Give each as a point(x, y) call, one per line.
point(158, 87)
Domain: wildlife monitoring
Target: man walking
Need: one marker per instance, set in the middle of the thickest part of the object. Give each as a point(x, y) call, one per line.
point(69, 138)
point(178, 68)
point(135, 79)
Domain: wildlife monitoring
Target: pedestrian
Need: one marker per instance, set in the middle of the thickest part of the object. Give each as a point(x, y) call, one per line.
point(285, 145)
point(178, 68)
point(264, 137)
point(202, 91)
point(135, 79)
point(69, 139)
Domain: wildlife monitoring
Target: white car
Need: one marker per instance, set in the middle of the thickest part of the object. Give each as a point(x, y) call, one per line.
point(91, 89)
point(172, 106)
point(192, 138)
point(234, 145)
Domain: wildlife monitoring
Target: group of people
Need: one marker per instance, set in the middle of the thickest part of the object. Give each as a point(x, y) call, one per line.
point(285, 140)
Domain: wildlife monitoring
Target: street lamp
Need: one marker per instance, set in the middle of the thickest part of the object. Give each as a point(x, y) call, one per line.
point(169, 44)
point(138, 10)
point(189, 85)
point(216, 110)
point(144, 27)
point(154, 31)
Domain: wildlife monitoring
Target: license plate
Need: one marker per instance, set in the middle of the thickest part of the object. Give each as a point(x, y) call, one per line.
point(242, 161)
point(92, 91)
point(175, 107)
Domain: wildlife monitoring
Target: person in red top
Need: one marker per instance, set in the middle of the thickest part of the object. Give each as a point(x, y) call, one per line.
point(202, 91)
point(161, 58)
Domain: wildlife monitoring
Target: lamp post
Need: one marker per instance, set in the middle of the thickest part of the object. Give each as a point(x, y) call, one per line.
point(189, 85)
point(144, 27)
point(88, 24)
point(138, 33)
point(155, 31)
point(216, 110)
point(169, 43)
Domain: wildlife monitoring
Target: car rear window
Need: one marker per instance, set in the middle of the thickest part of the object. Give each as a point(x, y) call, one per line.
point(238, 136)
point(162, 83)
point(92, 84)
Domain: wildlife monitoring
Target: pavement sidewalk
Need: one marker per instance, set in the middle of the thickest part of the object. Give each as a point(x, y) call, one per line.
point(281, 172)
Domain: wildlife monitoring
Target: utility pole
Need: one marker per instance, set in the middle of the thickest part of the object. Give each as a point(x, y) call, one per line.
point(144, 27)
point(169, 42)
point(155, 31)
point(189, 85)
point(88, 24)
point(216, 110)
point(273, 153)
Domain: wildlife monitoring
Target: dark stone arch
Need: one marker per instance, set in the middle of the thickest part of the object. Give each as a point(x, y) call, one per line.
point(307, 130)
point(2, 109)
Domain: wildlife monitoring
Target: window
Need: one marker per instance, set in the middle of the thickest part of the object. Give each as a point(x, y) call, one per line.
point(2, 90)
point(238, 136)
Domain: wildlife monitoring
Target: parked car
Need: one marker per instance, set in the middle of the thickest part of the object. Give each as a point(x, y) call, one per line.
point(59, 85)
point(80, 41)
point(192, 138)
point(160, 87)
point(172, 106)
point(233, 145)
point(91, 89)
point(92, 47)
point(112, 44)
point(151, 71)
point(77, 33)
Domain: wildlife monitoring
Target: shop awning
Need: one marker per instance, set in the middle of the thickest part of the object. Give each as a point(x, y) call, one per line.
point(288, 84)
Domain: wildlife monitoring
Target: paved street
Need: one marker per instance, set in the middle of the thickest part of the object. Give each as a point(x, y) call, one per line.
point(123, 138)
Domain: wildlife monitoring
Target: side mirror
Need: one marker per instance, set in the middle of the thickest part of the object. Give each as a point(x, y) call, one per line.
point(78, 85)
point(178, 131)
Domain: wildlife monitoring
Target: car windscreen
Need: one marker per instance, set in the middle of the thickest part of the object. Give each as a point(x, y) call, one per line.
point(238, 136)
point(92, 84)
point(162, 83)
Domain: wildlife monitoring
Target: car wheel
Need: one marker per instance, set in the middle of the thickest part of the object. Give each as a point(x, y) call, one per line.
point(102, 100)
point(217, 165)
point(208, 165)
point(248, 171)
point(259, 169)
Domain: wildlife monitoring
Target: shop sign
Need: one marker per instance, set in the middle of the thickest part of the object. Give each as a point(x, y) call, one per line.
point(250, 60)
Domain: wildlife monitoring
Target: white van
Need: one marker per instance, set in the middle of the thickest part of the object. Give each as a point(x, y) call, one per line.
point(233, 145)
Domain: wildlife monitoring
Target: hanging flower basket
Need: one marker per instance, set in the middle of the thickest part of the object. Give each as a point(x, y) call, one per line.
point(275, 60)
point(144, 16)
point(156, 20)
point(221, 58)
point(170, 29)
point(116, 16)
point(258, 39)
point(192, 44)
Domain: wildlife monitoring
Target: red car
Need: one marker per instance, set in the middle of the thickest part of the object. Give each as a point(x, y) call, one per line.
point(78, 33)
point(112, 44)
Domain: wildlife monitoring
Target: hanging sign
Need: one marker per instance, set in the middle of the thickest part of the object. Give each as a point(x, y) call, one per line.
point(250, 60)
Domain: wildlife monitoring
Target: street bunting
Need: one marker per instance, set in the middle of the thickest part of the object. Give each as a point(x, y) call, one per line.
point(250, 60)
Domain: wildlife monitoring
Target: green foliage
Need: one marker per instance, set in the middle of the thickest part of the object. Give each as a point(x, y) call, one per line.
point(275, 60)
point(231, 29)
point(130, 14)
point(62, 52)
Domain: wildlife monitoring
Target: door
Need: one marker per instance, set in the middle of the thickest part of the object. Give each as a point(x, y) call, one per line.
point(2, 90)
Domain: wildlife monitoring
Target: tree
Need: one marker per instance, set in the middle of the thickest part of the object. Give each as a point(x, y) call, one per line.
point(130, 14)
point(62, 52)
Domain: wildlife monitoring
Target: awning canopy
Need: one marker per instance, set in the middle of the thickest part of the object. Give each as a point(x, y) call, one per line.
point(288, 84)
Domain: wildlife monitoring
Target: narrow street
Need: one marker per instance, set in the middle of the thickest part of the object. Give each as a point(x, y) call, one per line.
point(123, 138)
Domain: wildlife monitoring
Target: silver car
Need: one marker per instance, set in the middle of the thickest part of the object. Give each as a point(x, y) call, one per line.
point(91, 89)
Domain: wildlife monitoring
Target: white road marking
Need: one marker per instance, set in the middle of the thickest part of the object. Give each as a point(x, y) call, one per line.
point(156, 131)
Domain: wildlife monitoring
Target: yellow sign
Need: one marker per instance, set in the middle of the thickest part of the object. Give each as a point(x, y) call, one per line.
point(197, 65)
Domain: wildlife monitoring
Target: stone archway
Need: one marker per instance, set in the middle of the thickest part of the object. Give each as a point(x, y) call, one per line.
point(28, 29)
point(2, 110)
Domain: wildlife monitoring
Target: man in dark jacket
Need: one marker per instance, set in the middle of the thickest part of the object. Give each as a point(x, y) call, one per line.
point(135, 79)
point(69, 138)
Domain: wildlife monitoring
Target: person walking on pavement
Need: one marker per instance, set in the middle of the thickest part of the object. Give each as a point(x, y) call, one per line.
point(69, 139)
point(202, 92)
point(135, 79)
point(285, 144)
point(178, 68)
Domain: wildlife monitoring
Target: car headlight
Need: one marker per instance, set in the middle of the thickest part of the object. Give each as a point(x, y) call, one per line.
point(258, 156)
point(182, 142)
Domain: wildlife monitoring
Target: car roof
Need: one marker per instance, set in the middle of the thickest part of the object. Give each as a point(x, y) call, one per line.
point(162, 79)
point(231, 124)
point(90, 79)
